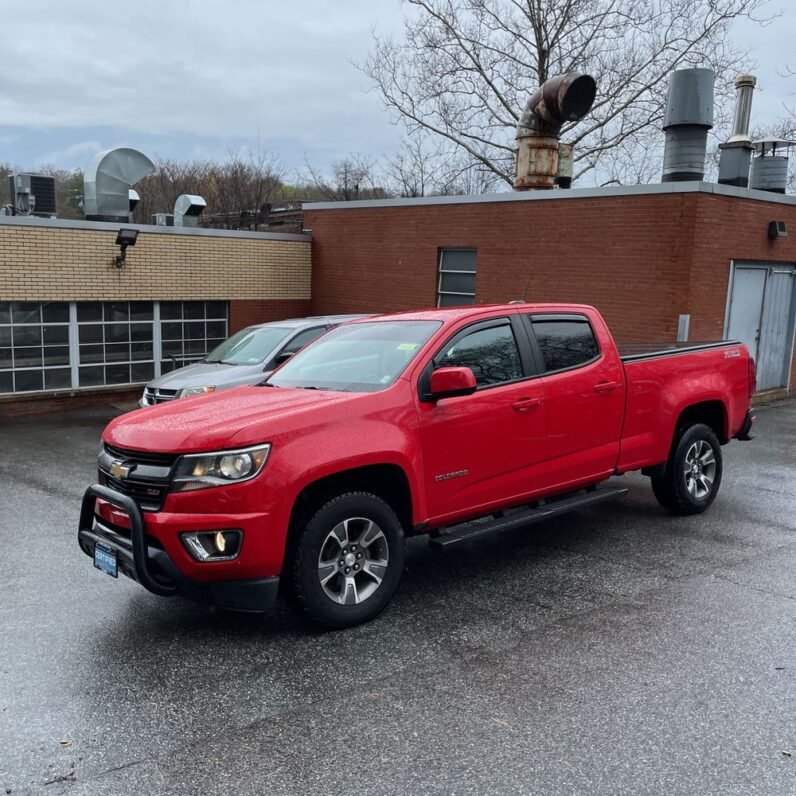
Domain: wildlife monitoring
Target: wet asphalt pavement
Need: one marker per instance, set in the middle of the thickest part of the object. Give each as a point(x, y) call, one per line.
point(614, 651)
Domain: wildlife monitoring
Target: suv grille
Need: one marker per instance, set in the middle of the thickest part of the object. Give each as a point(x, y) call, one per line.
point(157, 396)
point(149, 477)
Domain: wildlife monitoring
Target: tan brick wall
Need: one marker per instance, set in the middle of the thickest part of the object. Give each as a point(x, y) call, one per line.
point(49, 263)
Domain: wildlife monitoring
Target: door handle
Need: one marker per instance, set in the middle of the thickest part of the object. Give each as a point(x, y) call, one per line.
point(605, 386)
point(524, 404)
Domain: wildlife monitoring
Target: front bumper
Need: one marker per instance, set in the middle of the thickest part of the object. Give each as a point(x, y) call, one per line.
point(745, 433)
point(150, 565)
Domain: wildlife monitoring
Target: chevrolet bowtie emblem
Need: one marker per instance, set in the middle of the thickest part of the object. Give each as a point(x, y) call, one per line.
point(121, 470)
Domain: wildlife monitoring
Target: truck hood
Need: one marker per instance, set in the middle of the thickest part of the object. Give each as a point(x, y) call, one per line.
point(205, 423)
point(203, 374)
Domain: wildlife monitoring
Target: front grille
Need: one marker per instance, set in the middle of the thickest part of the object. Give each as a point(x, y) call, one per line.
point(152, 397)
point(149, 478)
point(149, 496)
point(141, 457)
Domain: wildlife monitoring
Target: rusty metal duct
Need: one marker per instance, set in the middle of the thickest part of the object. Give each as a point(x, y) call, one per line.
point(689, 116)
point(769, 170)
point(736, 152)
point(566, 163)
point(561, 99)
point(187, 210)
point(107, 183)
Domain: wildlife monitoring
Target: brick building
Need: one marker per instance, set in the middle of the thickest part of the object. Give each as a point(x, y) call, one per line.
point(70, 321)
point(682, 260)
point(656, 260)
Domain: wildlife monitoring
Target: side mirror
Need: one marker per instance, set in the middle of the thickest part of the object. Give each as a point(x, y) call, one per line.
point(451, 382)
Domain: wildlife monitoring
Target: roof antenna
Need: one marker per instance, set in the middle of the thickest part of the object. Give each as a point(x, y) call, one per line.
point(524, 293)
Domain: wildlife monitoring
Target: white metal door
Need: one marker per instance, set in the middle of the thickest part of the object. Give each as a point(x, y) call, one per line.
point(776, 332)
point(746, 306)
point(761, 315)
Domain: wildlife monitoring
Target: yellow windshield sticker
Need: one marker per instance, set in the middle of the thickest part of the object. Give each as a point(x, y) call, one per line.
point(406, 346)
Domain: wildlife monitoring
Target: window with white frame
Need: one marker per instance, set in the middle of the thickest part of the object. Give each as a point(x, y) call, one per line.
point(456, 277)
point(66, 345)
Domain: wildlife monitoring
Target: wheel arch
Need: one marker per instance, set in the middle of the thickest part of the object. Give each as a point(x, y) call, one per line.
point(387, 481)
point(713, 413)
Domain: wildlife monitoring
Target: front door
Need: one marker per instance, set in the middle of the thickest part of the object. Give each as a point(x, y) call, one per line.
point(480, 450)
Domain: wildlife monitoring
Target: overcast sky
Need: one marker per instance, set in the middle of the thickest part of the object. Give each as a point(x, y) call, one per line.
point(196, 79)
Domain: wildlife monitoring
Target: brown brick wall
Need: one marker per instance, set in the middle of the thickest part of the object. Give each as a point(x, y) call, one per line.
point(246, 313)
point(641, 260)
point(617, 254)
point(40, 263)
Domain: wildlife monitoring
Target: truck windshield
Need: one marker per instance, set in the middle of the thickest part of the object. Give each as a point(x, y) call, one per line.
point(249, 346)
point(361, 357)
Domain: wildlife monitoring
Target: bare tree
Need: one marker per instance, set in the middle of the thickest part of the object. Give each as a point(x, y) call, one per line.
point(465, 69)
point(236, 190)
point(354, 177)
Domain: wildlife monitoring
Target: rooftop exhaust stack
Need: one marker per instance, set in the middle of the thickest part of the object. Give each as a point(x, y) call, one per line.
point(107, 183)
point(736, 153)
point(770, 165)
point(565, 98)
point(134, 200)
point(187, 210)
point(689, 116)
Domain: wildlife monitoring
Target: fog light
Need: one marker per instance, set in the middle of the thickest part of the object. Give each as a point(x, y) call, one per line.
point(213, 545)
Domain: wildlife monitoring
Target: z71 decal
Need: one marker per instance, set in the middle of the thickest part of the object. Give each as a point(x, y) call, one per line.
point(730, 354)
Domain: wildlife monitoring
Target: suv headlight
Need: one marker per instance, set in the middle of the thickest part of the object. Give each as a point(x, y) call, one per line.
point(205, 470)
point(188, 392)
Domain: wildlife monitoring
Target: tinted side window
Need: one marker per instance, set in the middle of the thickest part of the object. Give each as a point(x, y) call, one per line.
point(491, 354)
point(302, 339)
point(565, 343)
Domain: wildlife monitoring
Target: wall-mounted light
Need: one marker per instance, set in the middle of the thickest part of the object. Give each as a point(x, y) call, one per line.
point(124, 238)
point(777, 229)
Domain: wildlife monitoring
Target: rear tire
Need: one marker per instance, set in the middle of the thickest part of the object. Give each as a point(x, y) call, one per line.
point(348, 561)
point(692, 476)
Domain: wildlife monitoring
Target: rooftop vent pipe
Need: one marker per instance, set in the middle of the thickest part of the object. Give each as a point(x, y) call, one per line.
point(770, 166)
point(187, 210)
point(107, 183)
point(565, 98)
point(736, 153)
point(689, 116)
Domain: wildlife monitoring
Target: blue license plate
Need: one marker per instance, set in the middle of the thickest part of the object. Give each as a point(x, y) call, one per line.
point(105, 560)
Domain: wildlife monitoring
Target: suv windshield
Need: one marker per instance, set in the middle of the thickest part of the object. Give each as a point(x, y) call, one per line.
point(249, 346)
point(361, 357)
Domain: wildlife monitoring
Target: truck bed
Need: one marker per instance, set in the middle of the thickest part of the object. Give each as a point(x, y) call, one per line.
point(633, 352)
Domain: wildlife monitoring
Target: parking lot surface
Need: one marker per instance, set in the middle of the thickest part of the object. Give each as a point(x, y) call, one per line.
point(614, 651)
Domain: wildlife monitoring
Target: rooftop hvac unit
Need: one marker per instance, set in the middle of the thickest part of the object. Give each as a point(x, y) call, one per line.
point(163, 219)
point(32, 195)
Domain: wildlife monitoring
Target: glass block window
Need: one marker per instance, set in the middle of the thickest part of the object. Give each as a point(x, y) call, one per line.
point(34, 346)
point(116, 342)
point(189, 330)
point(63, 345)
point(456, 277)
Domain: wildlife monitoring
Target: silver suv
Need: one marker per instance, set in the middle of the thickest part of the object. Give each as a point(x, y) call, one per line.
point(245, 358)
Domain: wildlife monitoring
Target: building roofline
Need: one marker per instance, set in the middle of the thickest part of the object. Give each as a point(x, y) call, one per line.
point(106, 226)
point(575, 193)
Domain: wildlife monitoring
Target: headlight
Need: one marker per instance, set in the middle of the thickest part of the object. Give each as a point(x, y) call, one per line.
point(187, 392)
point(204, 470)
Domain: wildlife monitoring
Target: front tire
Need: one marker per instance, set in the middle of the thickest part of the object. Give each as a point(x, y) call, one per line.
point(692, 476)
point(348, 561)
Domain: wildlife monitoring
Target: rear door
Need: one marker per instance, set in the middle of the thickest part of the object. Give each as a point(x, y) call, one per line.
point(481, 449)
point(584, 389)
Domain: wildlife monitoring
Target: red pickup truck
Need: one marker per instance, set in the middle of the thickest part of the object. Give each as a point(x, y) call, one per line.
point(451, 422)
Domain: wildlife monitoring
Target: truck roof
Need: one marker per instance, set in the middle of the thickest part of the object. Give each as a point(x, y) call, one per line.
point(454, 313)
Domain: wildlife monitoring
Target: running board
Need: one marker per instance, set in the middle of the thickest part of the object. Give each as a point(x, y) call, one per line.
point(467, 531)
